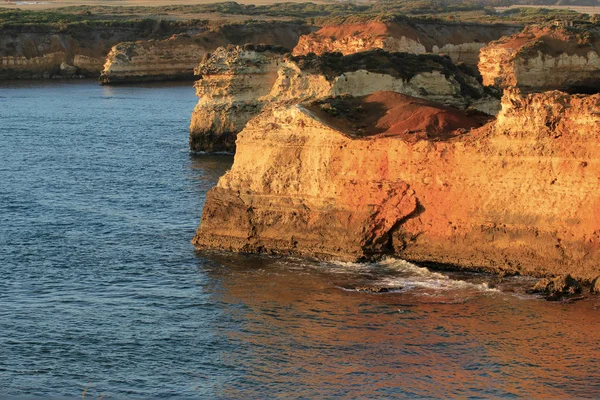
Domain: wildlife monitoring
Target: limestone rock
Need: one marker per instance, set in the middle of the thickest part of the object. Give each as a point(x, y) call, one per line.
point(461, 42)
point(236, 84)
point(544, 58)
point(500, 197)
point(142, 61)
point(67, 70)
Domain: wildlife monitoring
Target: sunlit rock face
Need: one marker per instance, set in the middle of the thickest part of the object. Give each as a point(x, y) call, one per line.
point(355, 178)
point(544, 58)
point(234, 85)
point(461, 42)
point(238, 83)
point(137, 52)
point(154, 60)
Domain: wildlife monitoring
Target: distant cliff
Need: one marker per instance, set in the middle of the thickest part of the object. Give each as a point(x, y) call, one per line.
point(114, 48)
point(36, 51)
point(237, 83)
point(544, 58)
point(175, 58)
point(461, 42)
point(358, 178)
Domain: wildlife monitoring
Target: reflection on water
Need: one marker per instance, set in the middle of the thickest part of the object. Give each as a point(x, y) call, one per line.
point(300, 333)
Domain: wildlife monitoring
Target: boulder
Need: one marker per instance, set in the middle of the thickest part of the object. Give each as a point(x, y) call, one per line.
point(595, 286)
point(558, 287)
point(67, 70)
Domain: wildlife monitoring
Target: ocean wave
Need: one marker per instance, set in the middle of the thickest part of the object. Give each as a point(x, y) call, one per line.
point(399, 275)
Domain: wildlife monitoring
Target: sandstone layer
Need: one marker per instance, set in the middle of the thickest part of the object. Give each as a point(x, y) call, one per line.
point(237, 83)
point(461, 42)
point(175, 58)
point(152, 60)
point(544, 58)
point(517, 195)
point(37, 51)
point(37, 55)
point(234, 85)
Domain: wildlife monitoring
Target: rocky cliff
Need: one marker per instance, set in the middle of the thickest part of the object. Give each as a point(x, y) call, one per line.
point(36, 55)
point(175, 58)
point(37, 51)
point(544, 58)
point(236, 85)
point(420, 181)
point(152, 60)
point(461, 42)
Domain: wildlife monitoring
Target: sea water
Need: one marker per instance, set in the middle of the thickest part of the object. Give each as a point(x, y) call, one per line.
point(102, 294)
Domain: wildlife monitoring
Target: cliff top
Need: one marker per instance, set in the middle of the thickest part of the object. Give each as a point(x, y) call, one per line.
point(391, 114)
point(552, 39)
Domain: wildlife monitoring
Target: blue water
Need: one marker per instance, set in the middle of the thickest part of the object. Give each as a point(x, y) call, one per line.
point(102, 294)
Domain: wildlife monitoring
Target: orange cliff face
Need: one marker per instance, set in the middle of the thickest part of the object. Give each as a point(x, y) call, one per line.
point(461, 42)
point(519, 194)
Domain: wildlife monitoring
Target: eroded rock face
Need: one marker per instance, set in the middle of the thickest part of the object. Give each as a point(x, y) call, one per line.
point(34, 51)
point(177, 57)
point(461, 42)
point(234, 86)
point(500, 197)
point(155, 60)
point(33, 55)
point(539, 59)
point(237, 85)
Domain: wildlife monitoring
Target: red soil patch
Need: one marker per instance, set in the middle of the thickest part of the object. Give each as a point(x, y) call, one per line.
point(372, 29)
point(391, 114)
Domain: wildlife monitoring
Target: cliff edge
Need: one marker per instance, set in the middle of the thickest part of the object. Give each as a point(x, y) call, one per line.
point(432, 186)
point(237, 83)
point(461, 42)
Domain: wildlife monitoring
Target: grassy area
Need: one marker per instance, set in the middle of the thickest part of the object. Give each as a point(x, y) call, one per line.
point(327, 13)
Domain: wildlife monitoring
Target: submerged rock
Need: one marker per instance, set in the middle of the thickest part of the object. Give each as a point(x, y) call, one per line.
point(372, 289)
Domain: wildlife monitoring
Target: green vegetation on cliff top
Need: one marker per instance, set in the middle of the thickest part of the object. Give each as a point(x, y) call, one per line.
point(318, 14)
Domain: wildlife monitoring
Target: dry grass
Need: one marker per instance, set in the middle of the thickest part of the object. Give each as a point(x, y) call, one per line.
point(51, 4)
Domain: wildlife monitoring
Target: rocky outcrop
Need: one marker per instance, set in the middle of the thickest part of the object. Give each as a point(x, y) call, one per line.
point(544, 58)
point(177, 57)
point(37, 55)
point(558, 287)
point(518, 195)
point(461, 42)
point(236, 85)
point(37, 51)
point(153, 60)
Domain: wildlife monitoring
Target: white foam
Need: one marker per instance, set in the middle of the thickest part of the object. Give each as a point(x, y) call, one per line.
point(407, 276)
